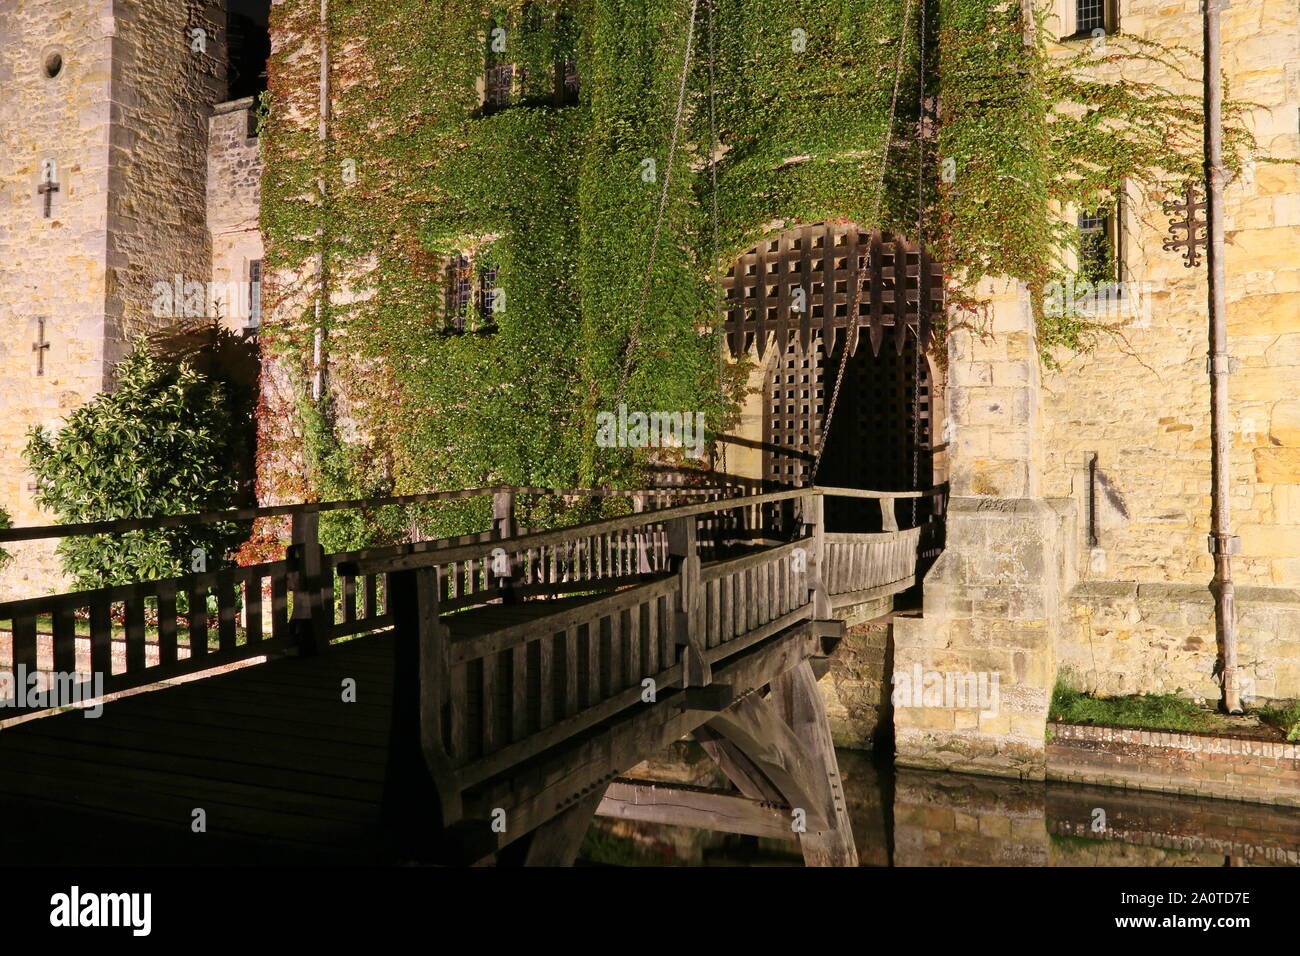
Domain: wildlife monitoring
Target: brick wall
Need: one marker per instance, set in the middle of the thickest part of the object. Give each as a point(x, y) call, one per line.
point(1201, 765)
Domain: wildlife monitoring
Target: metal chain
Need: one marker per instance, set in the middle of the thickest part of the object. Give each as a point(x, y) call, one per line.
point(875, 216)
point(920, 279)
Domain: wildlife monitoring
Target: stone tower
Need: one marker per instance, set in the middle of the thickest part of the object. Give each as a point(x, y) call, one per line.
point(104, 114)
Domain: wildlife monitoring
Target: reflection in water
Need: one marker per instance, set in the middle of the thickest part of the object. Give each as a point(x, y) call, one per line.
point(907, 817)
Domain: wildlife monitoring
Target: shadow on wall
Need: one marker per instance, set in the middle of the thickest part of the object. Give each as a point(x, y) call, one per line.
point(231, 359)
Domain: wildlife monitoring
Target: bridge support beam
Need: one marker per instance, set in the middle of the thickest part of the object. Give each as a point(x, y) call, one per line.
point(780, 750)
point(557, 841)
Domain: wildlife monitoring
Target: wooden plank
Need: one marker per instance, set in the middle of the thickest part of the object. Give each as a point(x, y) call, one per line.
point(652, 638)
point(491, 739)
point(65, 641)
point(24, 643)
point(796, 698)
point(197, 620)
point(546, 690)
point(557, 841)
point(349, 599)
point(519, 692)
point(135, 656)
point(611, 648)
point(253, 608)
point(457, 723)
point(695, 807)
point(570, 671)
point(633, 670)
point(101, 639)
point(226, 614)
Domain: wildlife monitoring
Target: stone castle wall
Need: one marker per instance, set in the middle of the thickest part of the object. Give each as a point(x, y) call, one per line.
point(1140, 404)
point(51, 268)
point(233, 197)
point(125, 120)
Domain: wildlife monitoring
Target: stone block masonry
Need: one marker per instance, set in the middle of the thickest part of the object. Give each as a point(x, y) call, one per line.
point(233, 198)
point(124, 121)
point(992, 602)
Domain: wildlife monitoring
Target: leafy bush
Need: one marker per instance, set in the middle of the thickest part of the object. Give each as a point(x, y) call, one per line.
point(166, 441)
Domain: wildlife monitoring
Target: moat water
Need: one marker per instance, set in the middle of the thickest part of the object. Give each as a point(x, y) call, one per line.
point(905, 817)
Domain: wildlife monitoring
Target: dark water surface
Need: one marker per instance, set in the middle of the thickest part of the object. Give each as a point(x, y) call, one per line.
point(907, 817)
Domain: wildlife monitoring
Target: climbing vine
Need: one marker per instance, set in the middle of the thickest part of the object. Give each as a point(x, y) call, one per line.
point(593, 215)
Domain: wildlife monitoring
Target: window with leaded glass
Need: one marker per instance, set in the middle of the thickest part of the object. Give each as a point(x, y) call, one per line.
point(1097, 247)
point(1090, 15)
point(459, 292)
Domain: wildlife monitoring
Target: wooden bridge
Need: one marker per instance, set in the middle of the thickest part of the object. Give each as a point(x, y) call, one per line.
point(460, 701)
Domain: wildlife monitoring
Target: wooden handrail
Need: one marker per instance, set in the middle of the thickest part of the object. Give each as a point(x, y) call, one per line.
point(119, 525)
point(540, 539)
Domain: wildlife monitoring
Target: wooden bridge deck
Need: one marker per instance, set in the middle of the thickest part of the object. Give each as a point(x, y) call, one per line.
point(524, 710)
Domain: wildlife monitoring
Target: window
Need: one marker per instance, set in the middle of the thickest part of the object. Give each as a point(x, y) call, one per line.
point(474, 299)
point(506, 83)
point(490, 297)
point(1098, 261)
point(459, 291)
point(566, 85)
point(254, 294)
point(498, 86)
point(1091, 16)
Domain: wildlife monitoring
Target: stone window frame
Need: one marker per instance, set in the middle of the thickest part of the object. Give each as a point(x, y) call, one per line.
point(1067, 14)
point(1118, 225)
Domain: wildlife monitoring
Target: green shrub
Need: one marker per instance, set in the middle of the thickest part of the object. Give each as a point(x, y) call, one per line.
point(166, 441)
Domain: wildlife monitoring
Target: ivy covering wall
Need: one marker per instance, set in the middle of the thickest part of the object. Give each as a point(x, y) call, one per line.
point(609, 281)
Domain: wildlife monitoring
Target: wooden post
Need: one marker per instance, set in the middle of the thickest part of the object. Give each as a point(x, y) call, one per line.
point(311, 618)
point(421, 692)
point(504, 527)
point(642, 555)
point(687, 629)
point(888, 518)
point(815, 525)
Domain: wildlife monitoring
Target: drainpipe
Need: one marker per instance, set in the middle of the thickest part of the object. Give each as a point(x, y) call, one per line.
point(1222, 543)
point(322, 133)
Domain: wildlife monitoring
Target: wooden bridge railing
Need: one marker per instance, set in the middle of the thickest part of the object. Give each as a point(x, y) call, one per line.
point(138, 634)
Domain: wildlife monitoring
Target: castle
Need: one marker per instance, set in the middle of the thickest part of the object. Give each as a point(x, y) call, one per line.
point(128, 158)
point(1076, 535)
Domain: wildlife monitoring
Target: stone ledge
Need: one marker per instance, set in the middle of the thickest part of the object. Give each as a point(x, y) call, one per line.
point(233, 106)
point(1103, 591)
